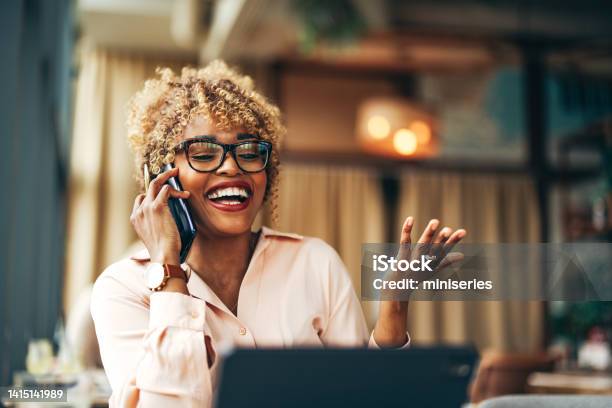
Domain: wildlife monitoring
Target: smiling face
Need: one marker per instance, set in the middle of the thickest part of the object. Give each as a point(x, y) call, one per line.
point(226, 201)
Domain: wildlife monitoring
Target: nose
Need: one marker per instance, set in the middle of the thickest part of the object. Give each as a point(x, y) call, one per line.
point(229, 167)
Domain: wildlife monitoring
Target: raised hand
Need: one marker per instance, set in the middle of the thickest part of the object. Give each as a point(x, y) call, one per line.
point(435, 246)
point(390, 329)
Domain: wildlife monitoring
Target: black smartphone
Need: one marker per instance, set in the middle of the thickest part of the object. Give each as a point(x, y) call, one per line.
point(180, 212)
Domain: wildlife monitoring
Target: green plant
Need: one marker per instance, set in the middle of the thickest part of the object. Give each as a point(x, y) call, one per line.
point(337, 22)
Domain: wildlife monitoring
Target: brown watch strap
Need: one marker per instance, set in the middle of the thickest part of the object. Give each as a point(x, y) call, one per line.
point(175, 271)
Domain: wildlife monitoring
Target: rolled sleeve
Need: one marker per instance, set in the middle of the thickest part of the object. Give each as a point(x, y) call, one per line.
point(171, 309)
point(154, 352)
point(373, 345)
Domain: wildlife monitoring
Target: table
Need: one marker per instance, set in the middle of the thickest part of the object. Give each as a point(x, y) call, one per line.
point(570, 382)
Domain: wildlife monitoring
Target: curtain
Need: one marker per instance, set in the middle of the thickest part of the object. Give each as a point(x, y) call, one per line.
point(101, 183)
point(493, 208)
point(342, 205)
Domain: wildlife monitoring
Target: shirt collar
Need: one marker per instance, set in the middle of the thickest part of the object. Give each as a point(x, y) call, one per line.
point(266, 233)
point(270, 233)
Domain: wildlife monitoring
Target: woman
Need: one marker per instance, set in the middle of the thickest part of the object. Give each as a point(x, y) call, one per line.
point(159, 339)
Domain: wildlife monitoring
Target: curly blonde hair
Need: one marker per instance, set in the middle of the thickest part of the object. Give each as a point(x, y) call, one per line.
point(159, 113)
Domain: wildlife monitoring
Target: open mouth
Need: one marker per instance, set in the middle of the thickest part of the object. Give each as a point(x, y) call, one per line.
point(229, 195)
point(230, 198)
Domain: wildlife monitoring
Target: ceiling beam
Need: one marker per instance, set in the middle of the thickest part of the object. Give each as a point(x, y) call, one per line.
point(232, 21)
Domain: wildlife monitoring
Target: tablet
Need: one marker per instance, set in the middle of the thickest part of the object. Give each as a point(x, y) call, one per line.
point(316, 378)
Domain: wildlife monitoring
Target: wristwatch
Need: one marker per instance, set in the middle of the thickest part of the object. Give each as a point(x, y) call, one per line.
point(157, 275)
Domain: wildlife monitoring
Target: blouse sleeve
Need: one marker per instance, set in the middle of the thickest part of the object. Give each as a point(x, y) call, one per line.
point(346, 325)
point(152, 356)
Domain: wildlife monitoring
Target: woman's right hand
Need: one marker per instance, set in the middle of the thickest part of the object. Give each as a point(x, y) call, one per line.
point(153, 221)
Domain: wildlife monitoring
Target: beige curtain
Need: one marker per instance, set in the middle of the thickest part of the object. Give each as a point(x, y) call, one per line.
point(102, 185)
point(493, 208)
point(341, 205)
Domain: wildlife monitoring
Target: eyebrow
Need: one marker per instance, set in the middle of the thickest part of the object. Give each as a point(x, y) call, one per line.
point(204, 138)
point(243, 136)
point(239, 136)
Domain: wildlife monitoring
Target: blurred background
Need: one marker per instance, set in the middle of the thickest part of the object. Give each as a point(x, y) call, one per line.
point(492, 115)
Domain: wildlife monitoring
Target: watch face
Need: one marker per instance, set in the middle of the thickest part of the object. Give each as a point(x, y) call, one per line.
point(154, 275)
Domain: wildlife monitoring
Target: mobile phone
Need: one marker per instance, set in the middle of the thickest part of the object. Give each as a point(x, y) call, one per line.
point(180, 212)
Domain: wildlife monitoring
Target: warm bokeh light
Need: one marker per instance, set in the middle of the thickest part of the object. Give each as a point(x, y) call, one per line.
point(422, 131)
point(379, 127)
point(405, 142)
point(396, 127)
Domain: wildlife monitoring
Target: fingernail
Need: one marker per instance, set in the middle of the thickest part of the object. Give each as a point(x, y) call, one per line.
point(461, 233)
point(445, 232)
point(410, 221)
point(434, 224)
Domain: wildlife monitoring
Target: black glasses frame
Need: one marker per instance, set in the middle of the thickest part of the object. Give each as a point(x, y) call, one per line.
point(231, 148)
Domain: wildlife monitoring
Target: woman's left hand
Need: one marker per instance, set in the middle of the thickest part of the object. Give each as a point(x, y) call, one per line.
point(391, 326)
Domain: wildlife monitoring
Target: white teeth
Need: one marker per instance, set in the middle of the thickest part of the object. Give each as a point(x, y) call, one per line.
point(228, 191)
point(230, 202)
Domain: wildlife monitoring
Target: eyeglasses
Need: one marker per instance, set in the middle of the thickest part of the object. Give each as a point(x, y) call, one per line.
point(205, 155)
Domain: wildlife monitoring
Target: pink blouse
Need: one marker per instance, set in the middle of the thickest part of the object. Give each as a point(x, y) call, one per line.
point(296, 292)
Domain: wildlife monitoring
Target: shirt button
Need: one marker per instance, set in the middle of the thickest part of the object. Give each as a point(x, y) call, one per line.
point(242, 331)
point(194, 314)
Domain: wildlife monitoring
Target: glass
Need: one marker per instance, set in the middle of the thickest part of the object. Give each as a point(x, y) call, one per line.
point(39, 359)
point(205, 155)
